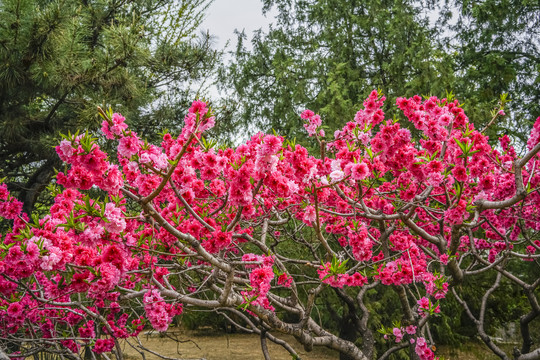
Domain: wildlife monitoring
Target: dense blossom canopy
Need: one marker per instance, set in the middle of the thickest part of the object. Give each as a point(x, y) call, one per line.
point(185, 224)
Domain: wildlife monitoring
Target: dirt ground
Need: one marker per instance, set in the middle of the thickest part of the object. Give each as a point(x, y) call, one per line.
point(472, 351)
point(216, 346)
point(182, 344)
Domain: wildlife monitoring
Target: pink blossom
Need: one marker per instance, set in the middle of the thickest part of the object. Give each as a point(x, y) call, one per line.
point(285, 280)
point(359, 171)
point(422, 350)
point(198, 106)
point(336, 175)
point(271, 144)
point(4, 193)
point(103, 345)
point(460, 173)
point(157, 311)
point(15, 309)
point(309, 214)
point(65, 150)
point(128, 145)
point(116, 129)
point(313, 123)
point(109, 277)
point(410, 329)
point(307, 114)
point(10, 209)
point(115, 222)
point(444, 259)
point(457, 214)
point(260, 277)
point(398, 334)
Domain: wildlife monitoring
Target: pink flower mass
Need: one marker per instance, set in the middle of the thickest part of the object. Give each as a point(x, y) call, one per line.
point(264, 232)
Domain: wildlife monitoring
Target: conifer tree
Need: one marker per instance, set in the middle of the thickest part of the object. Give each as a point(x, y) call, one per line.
point(328, 55)
point(59, 59)
point(496, 50)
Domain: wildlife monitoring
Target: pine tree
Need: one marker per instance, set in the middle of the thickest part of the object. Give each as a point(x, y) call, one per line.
point(59, 59)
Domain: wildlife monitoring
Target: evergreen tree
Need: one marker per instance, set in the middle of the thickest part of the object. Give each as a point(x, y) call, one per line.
point(59, 59)
point(496, 49)
point(328, 55)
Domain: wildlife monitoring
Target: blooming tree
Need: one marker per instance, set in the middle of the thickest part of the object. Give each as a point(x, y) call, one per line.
point(134, 241)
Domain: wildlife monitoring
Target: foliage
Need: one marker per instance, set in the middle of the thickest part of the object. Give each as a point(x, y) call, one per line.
point(326, 55)
point(496, 50)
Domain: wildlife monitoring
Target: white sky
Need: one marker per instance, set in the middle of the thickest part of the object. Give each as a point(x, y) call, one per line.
point(224, 16)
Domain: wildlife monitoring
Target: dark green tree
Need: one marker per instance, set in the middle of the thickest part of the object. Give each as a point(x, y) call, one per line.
point(59, 59)
point(496, 49)
point(328, 55)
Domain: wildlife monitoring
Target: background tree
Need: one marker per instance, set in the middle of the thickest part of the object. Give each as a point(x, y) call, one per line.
point(61, 58)
point(496, 49)
point(328, 55)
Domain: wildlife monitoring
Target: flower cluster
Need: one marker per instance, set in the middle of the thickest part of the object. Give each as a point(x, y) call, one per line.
point(260, 278)
point(399, 332)
point(332, 277)
point(426, 307)
point(312, 123)
point(10, 207)
point(422, 350)
point(158, 312)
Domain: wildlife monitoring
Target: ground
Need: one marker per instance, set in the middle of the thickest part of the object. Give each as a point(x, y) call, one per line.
point(210, 345)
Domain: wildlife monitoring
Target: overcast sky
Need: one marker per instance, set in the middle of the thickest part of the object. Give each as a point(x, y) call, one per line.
point(224, 16)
